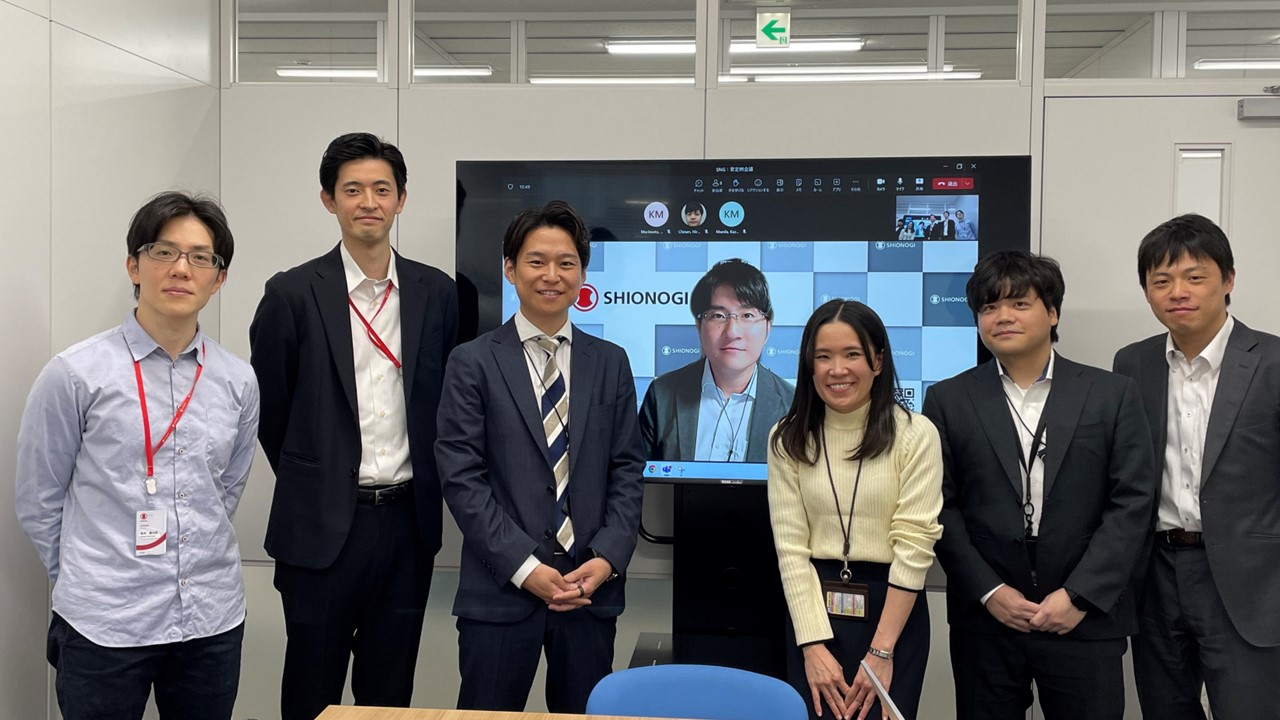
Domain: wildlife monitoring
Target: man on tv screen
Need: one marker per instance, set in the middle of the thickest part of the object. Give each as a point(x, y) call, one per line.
point(694, 212)
point(721, 406)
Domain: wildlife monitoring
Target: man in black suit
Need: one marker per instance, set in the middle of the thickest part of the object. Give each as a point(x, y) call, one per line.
point(1211, 389)
point(1047, 493)
point(539, 453)
point(349, 349)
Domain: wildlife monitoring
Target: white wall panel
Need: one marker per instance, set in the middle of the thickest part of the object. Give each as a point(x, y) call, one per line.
point(869, 119)
point(182, 36)
point(1109, 179)
point(272, 140)
point(123, 130)
point(24, 289)
point(39, 7)
point(440, 127)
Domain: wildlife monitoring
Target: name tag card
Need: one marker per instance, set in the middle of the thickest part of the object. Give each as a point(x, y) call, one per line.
point(846, 600)
point(150, 532)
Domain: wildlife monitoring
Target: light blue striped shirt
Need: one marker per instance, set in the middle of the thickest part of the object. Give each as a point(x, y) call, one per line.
point(80, 483)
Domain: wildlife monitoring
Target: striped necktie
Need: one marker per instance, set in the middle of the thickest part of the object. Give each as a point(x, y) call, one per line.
point(555, 422)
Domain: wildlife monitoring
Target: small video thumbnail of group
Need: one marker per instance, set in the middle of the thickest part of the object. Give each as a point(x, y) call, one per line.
point(937, 217)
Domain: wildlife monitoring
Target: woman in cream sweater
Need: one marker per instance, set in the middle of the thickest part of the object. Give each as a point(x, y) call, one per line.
point(855, 486)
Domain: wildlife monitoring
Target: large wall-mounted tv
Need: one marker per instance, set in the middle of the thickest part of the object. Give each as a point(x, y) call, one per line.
point(900, 234)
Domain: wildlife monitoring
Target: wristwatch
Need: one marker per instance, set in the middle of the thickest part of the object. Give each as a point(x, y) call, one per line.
point(882, 654)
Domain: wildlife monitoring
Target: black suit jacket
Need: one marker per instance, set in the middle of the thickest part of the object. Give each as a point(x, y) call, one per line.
point(498, 482)
point(300, 344)
point(1240, 472)
point(1099, 489)
point(669, 413)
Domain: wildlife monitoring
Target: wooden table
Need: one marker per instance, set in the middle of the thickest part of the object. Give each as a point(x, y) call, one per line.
point(343, 712)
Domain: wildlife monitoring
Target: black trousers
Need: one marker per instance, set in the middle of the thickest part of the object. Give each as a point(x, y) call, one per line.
point(498, 661)
point(1073, 678)
point(853, 637)
point(366, 609)
point(194, 680)
point(1186, 641)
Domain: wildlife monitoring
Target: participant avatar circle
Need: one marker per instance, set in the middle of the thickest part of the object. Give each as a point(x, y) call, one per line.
point(732, 214)
point(694, 213)
point(655, 213)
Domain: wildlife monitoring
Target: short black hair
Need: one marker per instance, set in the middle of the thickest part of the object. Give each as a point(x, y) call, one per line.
point(1012, 273)
point(1189, 234)
point(798, 432)
point(358, 146)
point(151, 218)
point(746, 281)
point(694, 205)
point(555, 214)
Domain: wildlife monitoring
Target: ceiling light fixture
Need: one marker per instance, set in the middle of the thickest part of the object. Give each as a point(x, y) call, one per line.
point(831, 69)
point(326, 71)
point(650, 47)
point(452, 71)
point(870, 77)
point(1238, 64)
point(610, 80)
point(746, 47)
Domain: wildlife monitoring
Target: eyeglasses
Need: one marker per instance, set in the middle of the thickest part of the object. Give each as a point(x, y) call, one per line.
point(170, 254)
point(720, 318)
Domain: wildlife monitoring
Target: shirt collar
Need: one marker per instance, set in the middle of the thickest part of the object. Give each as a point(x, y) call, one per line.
point(1212, 353)
point(1047, 374)
point(709, 381)
point(526, 330)
point(355, 275)
point(141, 344)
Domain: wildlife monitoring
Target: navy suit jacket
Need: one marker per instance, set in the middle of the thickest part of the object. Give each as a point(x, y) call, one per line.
point(300, 344)
point(498, 483)
point(1099, 490)
point(1239, 474)
point(669, 414)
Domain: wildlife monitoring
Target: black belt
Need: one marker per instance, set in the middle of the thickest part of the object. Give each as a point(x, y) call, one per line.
point(1180, 538)
point(383, 494)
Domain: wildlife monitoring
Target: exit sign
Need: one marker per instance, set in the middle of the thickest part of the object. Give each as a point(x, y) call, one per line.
point(773, 29)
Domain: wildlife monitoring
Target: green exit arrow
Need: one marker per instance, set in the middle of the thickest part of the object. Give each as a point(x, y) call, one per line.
point(772, 31)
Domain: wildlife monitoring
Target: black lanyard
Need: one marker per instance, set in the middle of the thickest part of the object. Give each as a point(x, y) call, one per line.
point(846, 528)
point(1037, 451)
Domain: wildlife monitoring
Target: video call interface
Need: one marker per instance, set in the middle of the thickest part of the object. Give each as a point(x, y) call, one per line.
point(899, 234)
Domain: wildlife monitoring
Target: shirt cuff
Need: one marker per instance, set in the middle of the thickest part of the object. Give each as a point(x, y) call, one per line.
point(525, 570)
point(987, 597)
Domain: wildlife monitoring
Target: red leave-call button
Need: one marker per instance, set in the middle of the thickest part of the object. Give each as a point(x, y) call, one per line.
point(957, 183)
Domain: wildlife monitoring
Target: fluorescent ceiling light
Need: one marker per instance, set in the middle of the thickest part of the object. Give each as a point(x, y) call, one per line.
point(687, 47)
point(650, 47)
point(831, 69)
point(610, 80)
point(453, 71)
point(1239, 64)
point(1201, 154)
point(325, 71)
point(799, 46)
point(869, 77)
point(732, 78)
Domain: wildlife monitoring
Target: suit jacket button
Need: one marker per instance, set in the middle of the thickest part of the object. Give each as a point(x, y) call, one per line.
point(353, 472)
point(551, 489)
point(548, 534)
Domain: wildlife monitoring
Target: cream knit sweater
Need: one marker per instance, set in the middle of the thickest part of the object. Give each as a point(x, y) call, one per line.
point(895, 520)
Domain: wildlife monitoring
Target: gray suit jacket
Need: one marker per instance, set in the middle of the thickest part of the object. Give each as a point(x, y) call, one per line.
point(669, 415)
point(497, 481)
point(1240, 473)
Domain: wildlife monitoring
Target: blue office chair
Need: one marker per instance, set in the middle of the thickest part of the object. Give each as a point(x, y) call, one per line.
point(698, 692)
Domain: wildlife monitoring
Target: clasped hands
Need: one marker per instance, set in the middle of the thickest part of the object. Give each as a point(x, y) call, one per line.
point(826, 682)
point(572, 590)
point(1056, 614)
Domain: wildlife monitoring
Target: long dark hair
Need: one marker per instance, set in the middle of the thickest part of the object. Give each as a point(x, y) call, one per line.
point(797, 433)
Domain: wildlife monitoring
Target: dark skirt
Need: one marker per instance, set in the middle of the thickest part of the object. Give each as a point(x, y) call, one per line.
point(853, 637)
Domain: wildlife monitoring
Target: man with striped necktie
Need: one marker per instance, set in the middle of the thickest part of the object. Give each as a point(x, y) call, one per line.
point(539, 456)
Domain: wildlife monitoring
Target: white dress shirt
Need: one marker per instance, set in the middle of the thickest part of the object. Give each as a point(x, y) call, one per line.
point(724, 420)
point(536, 359)
point(1025, 407)
point(1192, 385)
point(384, 434)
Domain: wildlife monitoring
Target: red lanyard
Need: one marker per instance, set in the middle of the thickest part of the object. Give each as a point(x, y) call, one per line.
point(373, 335)
point(146, 419)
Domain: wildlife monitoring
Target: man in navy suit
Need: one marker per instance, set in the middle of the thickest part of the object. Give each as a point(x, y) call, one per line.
point(349, 349)
point(1211, 390)
point(539, 456)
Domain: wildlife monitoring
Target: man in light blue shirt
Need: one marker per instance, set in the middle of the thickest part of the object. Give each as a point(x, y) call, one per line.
point(721, 406)
point(132, 456)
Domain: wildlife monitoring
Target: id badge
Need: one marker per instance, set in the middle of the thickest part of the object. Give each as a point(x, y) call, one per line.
point(150, 532)
point(846, 600)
